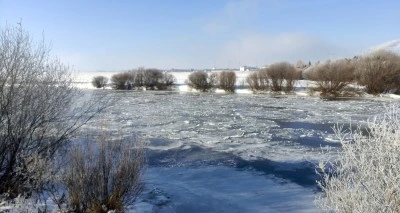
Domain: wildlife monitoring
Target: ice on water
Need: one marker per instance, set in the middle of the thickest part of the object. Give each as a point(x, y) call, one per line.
point(250, 126)
point(202, 144)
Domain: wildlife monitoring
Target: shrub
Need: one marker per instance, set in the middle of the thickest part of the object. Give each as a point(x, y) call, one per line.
point(99, 81)
point(227, 81)
point(214, 79)
point(104, 176)
point(167, 81)
point(123, 81)
point(152, 78)
point(258, 81)
point(365, 175)
point(200, 80)
point(37, 111)
point(332, 78)
point(156, 79)
point(379, 72)
point(283, 75)
point(147, 78)
point(139, 77)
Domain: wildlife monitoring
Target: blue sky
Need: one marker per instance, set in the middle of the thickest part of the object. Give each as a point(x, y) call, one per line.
point(115, 35)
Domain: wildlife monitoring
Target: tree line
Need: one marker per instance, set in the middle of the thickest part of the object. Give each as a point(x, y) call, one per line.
point(374, 73)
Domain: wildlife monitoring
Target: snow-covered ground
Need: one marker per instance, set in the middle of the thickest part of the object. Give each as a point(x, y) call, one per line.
point(83, 80)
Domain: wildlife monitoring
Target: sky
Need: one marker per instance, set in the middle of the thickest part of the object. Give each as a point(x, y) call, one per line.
point(105, 35)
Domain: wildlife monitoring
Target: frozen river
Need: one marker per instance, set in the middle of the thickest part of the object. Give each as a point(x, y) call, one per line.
point(231, 153)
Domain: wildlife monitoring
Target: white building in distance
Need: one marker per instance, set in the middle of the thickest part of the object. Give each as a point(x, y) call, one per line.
point(247, 68)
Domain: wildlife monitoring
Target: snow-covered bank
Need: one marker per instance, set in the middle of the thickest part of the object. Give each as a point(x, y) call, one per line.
point(82, 80)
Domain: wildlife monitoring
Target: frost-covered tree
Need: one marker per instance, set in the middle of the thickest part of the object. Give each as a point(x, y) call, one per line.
point(37, 110)
point(365, 176)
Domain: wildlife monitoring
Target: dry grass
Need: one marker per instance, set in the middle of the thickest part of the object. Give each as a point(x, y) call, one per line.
point(104, 175)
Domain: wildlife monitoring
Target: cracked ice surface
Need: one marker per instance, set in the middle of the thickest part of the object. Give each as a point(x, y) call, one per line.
point(282, 128)
point(231, 152)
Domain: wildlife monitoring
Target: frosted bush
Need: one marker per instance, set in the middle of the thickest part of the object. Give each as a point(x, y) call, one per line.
point(365, 177)
point(21, 204)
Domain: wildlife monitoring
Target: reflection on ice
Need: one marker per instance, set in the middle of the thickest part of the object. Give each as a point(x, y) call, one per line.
point(220, 189)
point(299, 172)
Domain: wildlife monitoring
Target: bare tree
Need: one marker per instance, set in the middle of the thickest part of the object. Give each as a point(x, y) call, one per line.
point(227, 81)
point(37, 109)
point(123, 81)
point(258, 81)
point(152, 78)
point(332, 77)
point(139, 77)
point(213, 79)
point(365, 175)
point(200, 80)
point(142, 78)
point(166, 81)
point(104, 175)
point(99, 81)
point(283, 75)
point(379, 72)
